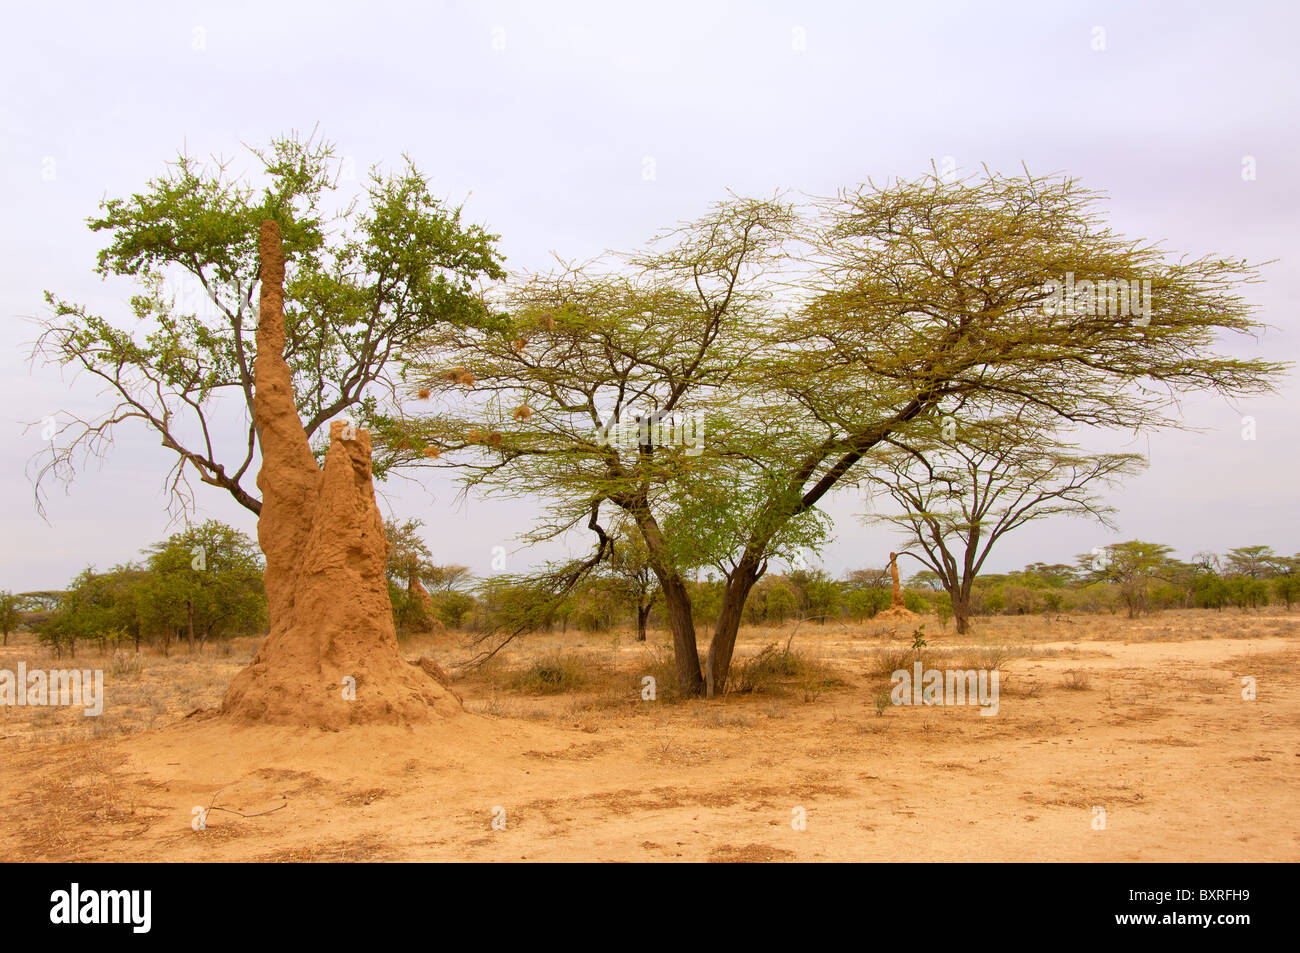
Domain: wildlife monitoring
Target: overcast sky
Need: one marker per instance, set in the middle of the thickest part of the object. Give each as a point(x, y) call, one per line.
point(544, 118)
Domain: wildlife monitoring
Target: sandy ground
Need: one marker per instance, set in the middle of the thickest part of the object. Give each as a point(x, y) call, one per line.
point(1144, 719)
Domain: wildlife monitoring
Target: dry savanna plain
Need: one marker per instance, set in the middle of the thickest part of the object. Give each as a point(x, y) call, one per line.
point(1115, 739)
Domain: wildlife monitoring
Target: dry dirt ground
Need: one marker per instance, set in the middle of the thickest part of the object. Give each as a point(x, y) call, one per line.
point(1144, 719)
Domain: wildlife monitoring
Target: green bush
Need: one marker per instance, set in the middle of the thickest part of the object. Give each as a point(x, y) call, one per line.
point(452, 608)
point(864, 603)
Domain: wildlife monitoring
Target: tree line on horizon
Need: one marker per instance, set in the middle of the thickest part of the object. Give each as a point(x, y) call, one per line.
point(204, 585)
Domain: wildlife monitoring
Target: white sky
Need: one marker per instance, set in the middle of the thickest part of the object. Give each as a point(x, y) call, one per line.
point(548, 136)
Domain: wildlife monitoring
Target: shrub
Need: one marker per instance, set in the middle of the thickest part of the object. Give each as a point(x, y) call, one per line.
point(774, 669)
point(1076, 680)
point(553, 675)
point(1020, 600)
point(865, 603)
point(943, 608)
point(452, 608)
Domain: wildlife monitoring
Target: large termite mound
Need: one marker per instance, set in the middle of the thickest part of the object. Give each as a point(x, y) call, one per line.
point(331, 658)
point(898, 606)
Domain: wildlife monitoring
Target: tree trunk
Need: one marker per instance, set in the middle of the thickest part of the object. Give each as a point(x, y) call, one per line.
point(642, 613)
point(961, 608)
point(677, 602)
point(723, 645)
point(189, 623)
point(686, 653)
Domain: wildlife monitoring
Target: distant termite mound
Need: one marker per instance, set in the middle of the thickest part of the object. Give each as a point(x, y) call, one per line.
point(897, 607)
point(416, 593)
point(331, 658)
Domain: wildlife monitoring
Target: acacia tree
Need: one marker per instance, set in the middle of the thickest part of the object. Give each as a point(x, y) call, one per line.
point(1133, 565)
point(1256, 562)
point(934, 292)
point(613, 392)
point(365, 284)
point(960, 489)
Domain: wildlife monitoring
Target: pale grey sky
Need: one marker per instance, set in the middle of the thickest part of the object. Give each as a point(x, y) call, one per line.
point(543, 115)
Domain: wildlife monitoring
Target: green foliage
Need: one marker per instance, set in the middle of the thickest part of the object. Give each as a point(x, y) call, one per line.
point(204, 582)
point(1020, 600)
point(105, 608)
point(918, 639)
point(10, 615)
point(780, 601)
point(1255, 562)
point(509, 605)
point(1210, 591)
point(599, 605)
point(1247, 592)
point(364, 286)
point(1287, 588)
point(452, 608)
point(943, 608)
point(706, 600)
point(410, 614)
point(864, 603)
point(818, 594)
point(915, 602)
